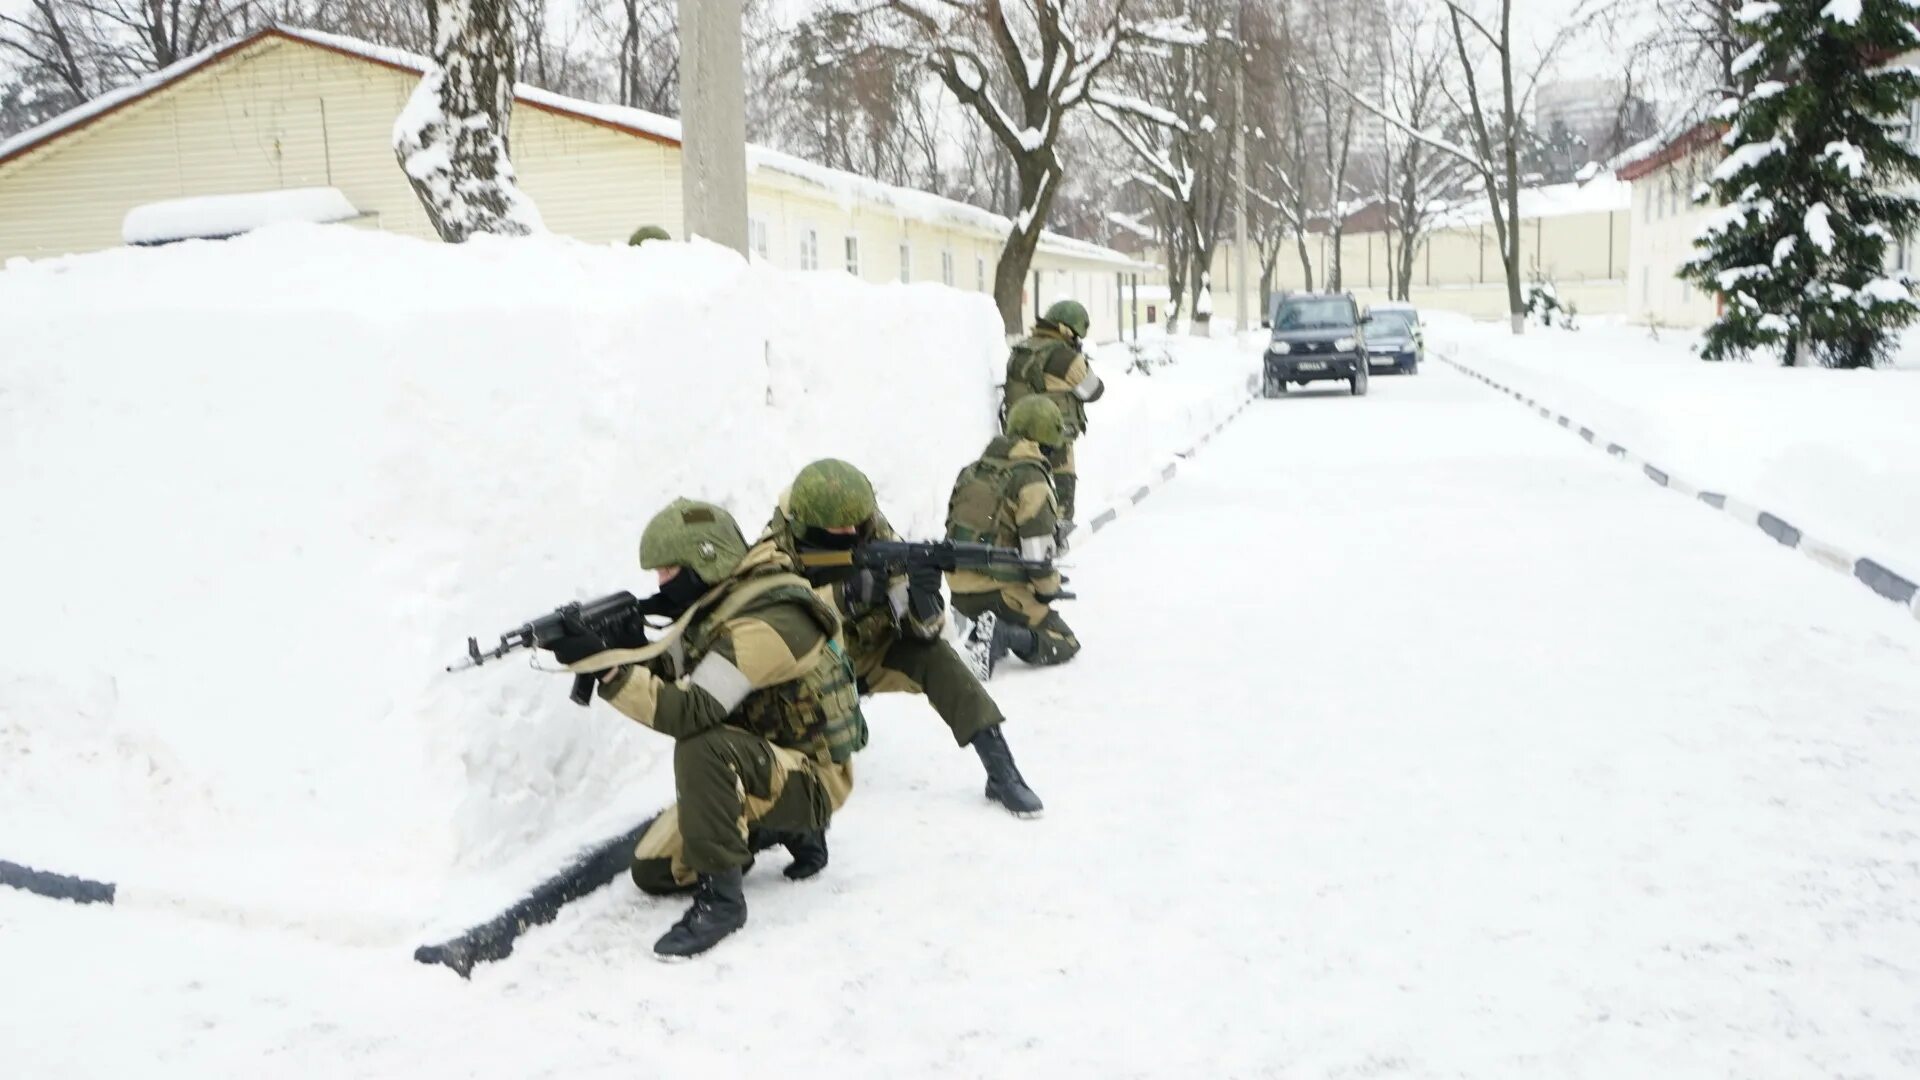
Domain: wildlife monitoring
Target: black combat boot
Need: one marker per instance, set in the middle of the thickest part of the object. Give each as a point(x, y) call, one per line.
point(1004, 783)
point(719, 908)
point(809, 851)
point(1021, 641)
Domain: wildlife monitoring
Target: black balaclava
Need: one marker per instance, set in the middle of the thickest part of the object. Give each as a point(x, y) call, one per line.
point(814, 538)
point(680, 591)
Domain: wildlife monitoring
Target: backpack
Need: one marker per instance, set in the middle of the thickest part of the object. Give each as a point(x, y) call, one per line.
point(979, 503)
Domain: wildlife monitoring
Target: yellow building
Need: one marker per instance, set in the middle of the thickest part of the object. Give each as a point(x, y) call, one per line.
point(1665, 221)
point(1573, 235)
point(286, 110)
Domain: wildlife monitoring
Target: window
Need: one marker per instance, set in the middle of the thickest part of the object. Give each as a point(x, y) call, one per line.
point(906, 262)
point(946, 268)
point(980, 272)
point(810, 249)
point(757, 236)
point(853, 255)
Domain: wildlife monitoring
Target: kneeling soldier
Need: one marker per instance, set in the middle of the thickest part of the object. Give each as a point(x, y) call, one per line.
point(892, 626)
point(1006, 499)
point(758, 697)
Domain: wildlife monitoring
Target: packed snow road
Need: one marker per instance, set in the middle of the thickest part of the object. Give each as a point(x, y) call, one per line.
point(1412, 737)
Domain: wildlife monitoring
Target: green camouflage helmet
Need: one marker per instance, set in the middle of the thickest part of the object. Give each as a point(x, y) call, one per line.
point(699, 536)
point(1036, 417)
point(830, 494)
point(648, 232)
point(1070, 314)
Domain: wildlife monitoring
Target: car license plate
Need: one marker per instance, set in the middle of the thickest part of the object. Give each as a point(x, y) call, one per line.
point(1312, 365)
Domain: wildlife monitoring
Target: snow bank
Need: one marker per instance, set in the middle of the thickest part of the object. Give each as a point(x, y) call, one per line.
point(1836, 452)
point(212, 217)
point(261, 491)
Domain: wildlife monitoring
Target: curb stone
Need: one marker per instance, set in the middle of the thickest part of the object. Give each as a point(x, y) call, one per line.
point(1112, 513)
point(56, 886)
point(1872, 573)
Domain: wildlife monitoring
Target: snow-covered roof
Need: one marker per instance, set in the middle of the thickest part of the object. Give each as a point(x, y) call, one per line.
point(1600, 195)
point(845, 186)
point(214, 217)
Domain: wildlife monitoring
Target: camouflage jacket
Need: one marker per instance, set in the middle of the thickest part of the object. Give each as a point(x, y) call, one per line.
point(1025, 517)
point(756, 652)
point(1045, 362)
point(867, 630)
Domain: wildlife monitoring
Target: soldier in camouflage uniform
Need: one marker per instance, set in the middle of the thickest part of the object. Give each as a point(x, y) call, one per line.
point(1049, 363)
point(1007, 499)
point(759, 699)
point(892, 626)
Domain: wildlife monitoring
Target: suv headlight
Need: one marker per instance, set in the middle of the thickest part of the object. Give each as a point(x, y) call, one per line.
point(1345, 344)
point(1280, 348)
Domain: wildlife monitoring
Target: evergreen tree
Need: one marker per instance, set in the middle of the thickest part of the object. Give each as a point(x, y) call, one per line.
point(1811, 194)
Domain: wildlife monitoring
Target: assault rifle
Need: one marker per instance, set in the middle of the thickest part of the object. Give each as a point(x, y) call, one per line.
point(619, 611)
point(898, 556)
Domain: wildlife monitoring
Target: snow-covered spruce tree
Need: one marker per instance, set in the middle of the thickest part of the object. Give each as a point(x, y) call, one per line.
point(1811, 193)
point(452, 136)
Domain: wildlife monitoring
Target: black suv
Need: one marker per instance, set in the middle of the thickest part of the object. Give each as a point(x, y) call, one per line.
point(1316, 337)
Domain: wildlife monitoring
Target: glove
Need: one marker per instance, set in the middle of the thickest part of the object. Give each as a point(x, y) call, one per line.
point(924, 601)
point(575, 647)
point(862, 590)
point(630, 633)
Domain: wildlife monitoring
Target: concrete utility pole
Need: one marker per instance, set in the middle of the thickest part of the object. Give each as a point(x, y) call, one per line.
point(1240, 286)
point(713, 123)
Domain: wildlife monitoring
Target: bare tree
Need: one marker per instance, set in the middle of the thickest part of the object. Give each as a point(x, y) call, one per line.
point(147, 35)
point(1414, 180)
point(57, 41)
point(1492, 116)
point(401, 24)
point(1020, 66)
point(451, 138)
point(1183, 150)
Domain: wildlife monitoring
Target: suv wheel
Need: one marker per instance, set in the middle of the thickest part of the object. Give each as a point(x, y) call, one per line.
point(1358, 384)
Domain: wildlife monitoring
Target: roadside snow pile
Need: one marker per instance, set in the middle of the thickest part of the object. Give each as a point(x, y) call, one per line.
point(259, 493)
point(1836, 453)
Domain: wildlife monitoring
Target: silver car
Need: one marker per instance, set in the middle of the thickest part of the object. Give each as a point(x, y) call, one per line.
point(1394, 341)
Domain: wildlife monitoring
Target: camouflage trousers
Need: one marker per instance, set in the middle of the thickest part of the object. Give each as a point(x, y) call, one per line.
point(1018, 606)
point(912, 666)
point(727, 779)
point(1066, 478)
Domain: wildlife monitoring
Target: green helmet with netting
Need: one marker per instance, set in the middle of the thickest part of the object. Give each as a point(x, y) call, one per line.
point(699, 536)
point(1070, 314)
point(830, 494)
point(648, 232)
point(1037, 418)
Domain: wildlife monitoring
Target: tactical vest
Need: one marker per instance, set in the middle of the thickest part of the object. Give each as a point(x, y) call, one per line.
point(1026, 370)
point(984, 504)
point(1027, 375)
point(818, 713)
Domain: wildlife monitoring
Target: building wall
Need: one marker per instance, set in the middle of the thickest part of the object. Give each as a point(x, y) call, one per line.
point(1457, 269)
point(283, 114)
point(1665, 221)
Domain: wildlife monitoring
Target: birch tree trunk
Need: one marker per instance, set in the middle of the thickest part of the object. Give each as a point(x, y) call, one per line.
point(451, 138)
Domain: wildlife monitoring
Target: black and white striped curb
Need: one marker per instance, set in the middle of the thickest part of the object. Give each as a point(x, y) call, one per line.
point(1875, 574)
point(1107, 517)
point(493, 939)
point(56, 886)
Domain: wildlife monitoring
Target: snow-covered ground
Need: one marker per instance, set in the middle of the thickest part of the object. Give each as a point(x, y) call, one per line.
point(1411, 738)
point(258, 494)
point(1836, 453)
